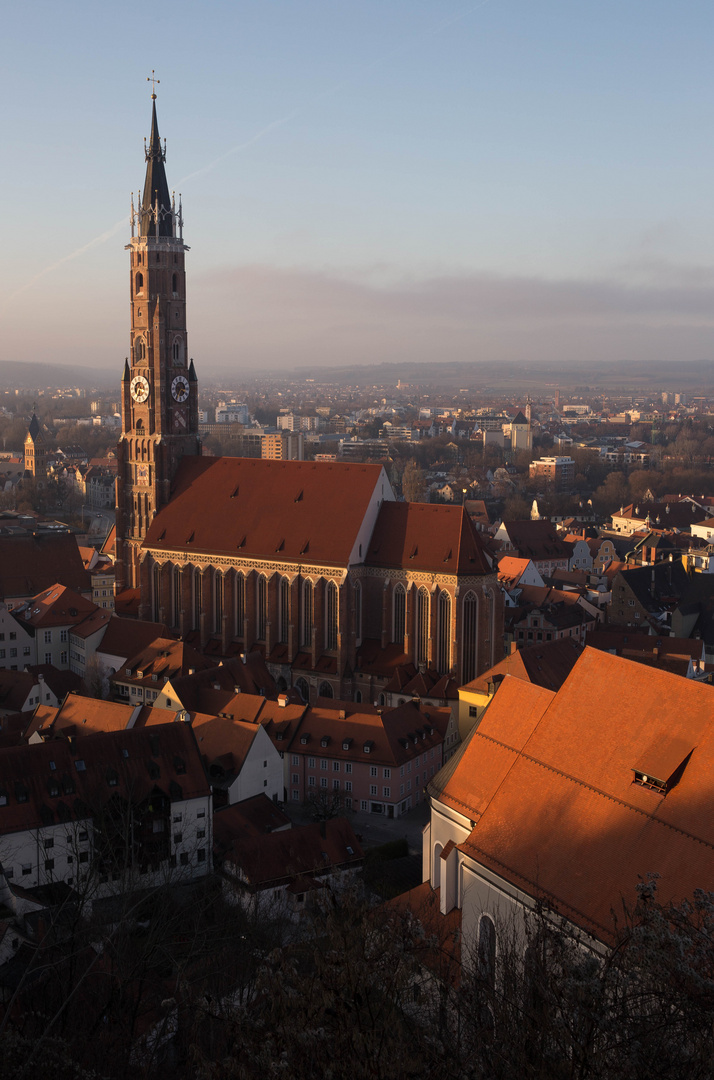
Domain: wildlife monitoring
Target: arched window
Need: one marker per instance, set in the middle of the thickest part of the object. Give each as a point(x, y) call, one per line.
point(261, 608)
point(331, 601)
point(176, 595)
point(487, 950)
point(139, 349)
point(197, 598)
point(358, 613)
point(239, 604)
point(422, 626)
point(469, 638)
point(307, 619)
point(139, 282)
point(156, 590)
point(358, 697)
point(217, 601)
point(399, 614)
point(325, 690)
point(443, 632)
point(436, 866)
point(174, 284)
point(284, 609)
point(303, 689)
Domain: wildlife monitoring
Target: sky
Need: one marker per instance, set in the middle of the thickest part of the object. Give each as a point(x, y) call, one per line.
point(366, 181)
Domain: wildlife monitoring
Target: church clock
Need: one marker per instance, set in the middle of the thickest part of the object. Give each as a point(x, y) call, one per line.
point(139, 388)
point(180, 388)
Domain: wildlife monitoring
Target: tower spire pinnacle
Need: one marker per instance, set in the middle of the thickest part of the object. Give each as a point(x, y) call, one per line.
point(156, 217)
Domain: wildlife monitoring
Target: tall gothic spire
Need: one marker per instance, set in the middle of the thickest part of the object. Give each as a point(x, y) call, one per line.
point(156, 201)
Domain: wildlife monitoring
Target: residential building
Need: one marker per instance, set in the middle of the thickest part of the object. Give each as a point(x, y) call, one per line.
point(554, 473)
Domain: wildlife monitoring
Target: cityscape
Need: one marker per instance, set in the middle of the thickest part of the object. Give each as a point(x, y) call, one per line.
point(356, 677)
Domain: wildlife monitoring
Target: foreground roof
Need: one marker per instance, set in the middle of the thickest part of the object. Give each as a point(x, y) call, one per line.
point(578, 795)
point(300, 511)
point(32, 562)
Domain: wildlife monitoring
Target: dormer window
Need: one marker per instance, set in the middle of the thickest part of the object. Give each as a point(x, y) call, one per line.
point(661, 767)
point(325, 740)
point(304, 739)
point(346, 744)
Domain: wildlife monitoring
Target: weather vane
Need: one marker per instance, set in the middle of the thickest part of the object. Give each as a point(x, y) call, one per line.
point(153, 81)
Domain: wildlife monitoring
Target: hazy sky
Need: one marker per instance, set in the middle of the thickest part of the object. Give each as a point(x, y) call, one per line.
point(366, 180)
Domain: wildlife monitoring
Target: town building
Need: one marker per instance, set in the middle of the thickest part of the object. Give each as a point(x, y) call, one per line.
point(554, 473)
point(314, 564)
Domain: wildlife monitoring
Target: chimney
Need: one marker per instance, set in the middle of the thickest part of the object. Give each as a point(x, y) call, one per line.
point(282, 700)
point(514, 647)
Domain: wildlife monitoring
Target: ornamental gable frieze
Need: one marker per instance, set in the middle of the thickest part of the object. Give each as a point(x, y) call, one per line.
point(261, 566)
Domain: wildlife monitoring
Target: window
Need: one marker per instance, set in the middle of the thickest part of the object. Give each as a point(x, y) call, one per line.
point(323, 763)
point(335, 766)
point(335, 785)
point(373, 771)
point(13, 652)
point(84, 856)
point(49, 844)
point(311, 762)
point(296, 778)
point(183, 858)
point(323, 781)
point(348, 804)
point(177, 819)
point(201, 855)
point(178, 838)
point(331, 619)
point(261, 600)
point(311, 781)
point(200, 834)
point(363, 804)
point(373, 789)
point(63, 633)
point(422, 626)
point(26, 869)
point(348, 766)
point(2, 654)
point(399, 608)
point(306, 620)
point(201, 813)
point(63, 657)
point(487, 949)
point(48, 656)
point(283, 609)
point(13, 636)
point(49, 864)
point(443, 632)
point(48, 637)
point(239, 604)
point(348, 785)
point(296, 760)
point(386, 773)
point(469, 623)
point(385, 792)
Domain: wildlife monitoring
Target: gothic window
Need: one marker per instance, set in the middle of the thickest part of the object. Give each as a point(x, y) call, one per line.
point(176, 594)
point(487, 949)
point(422, 626)
point(217, 601)
point(284, 609)
point(306, 621)
point(358, 613)
point(139, 282)
point(443, 633)
point(325, 690)
point(331, 602)
point(469, 637)
point(174, 284)
point(139, 349)
point(399, 612)
point(303, 689)
point(178, 351)
point(197, 598)
point(156, 590)
point(239, 604)
point(261, 608)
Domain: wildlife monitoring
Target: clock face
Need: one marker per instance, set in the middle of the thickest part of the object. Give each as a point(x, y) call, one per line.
point(180, 388)
point(139, 388)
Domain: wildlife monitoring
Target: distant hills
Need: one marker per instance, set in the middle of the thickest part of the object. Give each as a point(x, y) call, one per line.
point(30, 377)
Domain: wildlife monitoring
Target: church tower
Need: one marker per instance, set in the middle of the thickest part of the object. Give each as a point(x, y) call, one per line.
point(159, 389)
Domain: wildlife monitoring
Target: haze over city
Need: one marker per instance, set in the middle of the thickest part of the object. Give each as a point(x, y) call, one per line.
point(382, 182)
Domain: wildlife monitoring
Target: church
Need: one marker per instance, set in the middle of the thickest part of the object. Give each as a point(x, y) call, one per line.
point(341, 587)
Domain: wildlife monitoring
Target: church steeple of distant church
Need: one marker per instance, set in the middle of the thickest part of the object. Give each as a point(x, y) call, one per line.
point(159, 389)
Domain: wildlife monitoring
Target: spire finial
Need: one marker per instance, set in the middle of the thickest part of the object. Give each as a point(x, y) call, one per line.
point(154, 81)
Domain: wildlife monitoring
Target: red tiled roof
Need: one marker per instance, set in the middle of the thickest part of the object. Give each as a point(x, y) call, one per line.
point(252, 817)
point(279, 856)
point(34, 561)
point(546, 664)
point(422, 536)
point(56, 606)
point(393, 737)
point(298, 511)
point(80, 715)
point(164, 658)
point(549, 780)
point(26, 772)
point(127, 637)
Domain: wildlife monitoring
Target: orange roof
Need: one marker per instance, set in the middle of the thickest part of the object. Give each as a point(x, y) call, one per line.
point(549, 780)
point(56, 606)
point(512, 569)
point(79, 715)
point(126, 637)
point(163, 659)
point(283, 510)
point(422, 536)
